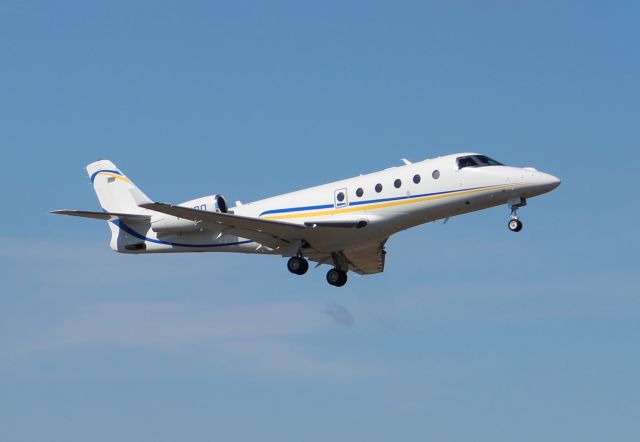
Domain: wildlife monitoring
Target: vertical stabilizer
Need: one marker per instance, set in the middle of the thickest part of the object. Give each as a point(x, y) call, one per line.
point(113, 188)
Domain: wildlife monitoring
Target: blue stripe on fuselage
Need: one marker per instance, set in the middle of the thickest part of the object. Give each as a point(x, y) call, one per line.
point(360, 203)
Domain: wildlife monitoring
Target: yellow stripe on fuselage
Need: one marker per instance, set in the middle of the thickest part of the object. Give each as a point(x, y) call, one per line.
point(383, 205)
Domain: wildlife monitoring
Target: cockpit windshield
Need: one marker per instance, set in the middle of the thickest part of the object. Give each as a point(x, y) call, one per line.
point(476, 161)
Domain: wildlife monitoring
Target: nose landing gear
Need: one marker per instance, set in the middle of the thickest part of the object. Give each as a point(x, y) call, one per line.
point(515, 225)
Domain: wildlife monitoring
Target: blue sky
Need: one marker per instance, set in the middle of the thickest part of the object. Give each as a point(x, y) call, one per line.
point(472, 332)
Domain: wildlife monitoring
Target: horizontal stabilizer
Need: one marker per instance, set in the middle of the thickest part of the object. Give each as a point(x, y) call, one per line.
point(105, 216)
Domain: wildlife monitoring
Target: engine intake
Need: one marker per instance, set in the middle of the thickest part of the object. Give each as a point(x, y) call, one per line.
point(211, 203)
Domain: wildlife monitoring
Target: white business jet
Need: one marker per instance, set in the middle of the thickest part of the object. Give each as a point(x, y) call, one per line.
point(344, 224)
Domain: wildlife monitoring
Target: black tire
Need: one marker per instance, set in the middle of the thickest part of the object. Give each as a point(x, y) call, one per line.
point(297, 265)
point(305, 266)
point(336, 278)
point(515, 225)
point(333, 277)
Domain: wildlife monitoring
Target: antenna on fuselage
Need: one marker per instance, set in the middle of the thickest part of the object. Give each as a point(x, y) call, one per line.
point(405, 161)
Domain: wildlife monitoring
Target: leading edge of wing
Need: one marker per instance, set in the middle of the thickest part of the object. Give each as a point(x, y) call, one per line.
point(278, 229)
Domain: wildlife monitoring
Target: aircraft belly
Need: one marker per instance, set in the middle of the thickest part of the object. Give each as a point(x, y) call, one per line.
point(205, 241)
point(249, 247)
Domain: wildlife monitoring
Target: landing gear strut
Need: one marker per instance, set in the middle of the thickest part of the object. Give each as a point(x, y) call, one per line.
point(515, 225)
point(298, 265)
point(337, 276)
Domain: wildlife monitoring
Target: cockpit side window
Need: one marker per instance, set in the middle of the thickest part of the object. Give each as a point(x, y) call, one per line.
point(476, 161)
point(466, 162)
point(486, 161)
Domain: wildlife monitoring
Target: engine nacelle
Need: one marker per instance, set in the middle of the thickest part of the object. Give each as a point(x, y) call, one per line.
point(211, 203)
point(171, 224)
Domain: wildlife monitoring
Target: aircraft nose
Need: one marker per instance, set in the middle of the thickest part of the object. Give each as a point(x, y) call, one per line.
point(546, 182)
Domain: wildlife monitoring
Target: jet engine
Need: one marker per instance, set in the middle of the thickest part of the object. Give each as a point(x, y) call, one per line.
point(211, 203)
point(172, 224)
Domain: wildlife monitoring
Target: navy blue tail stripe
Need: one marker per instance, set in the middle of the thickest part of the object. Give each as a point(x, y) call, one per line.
point(132, 232)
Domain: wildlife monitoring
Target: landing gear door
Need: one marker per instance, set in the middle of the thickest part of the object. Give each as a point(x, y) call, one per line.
point(340, 198)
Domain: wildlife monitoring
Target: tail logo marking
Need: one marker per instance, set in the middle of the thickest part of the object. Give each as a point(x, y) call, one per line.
point(112, 174)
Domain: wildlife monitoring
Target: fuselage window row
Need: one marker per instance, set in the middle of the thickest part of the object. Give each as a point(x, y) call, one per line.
point(397, 183)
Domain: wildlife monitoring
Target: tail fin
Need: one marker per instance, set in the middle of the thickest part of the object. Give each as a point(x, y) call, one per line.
point(115, 191)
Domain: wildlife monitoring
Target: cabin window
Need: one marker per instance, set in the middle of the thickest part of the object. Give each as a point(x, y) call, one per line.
point(397, 183)
point(359, 192)
point(340, 196)
point(436, 174)
point(378, 187)
point(416, 179)
point(476, 161)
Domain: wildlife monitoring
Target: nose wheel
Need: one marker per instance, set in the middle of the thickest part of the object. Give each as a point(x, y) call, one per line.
point(515, 225)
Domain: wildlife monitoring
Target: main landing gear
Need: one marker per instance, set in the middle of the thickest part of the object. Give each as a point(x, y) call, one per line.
point(515, 225)
point(298, 265)
point(337, 276)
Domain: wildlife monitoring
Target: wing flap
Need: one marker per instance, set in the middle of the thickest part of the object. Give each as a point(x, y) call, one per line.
point(364, 260)
point(368, 259)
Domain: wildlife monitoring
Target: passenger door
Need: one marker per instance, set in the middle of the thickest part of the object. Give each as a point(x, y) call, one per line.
point(340, 198)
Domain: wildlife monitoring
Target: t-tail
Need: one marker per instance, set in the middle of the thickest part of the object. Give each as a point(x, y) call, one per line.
point(119, 199)
point(114, 190)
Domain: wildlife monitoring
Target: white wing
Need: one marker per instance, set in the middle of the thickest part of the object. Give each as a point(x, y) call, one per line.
point(364, 260)
point(271, 233)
